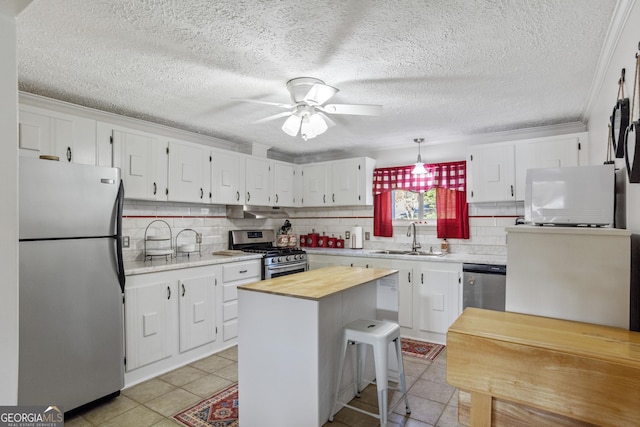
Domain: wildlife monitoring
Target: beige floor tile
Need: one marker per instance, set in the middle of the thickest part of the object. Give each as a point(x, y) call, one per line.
point(182, 376)
point(212, 363)
point(230, 353)
point(449, 418)
point(77, 421)
point(414, 367)
point(136, 417)
point(207, 385)
point(148, 390)
point(229, 372)
point(395, 420)
point(168, 422)
point(454, 399)
point(423, 410)
point(353, 418)
point(431, 390)
point(108, 410)
point(437, 372)
point(172, 402)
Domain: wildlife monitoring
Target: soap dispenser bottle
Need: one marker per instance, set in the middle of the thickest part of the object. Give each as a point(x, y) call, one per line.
point(444, 246)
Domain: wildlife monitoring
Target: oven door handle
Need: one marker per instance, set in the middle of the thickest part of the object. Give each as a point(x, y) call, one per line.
point(291, 266)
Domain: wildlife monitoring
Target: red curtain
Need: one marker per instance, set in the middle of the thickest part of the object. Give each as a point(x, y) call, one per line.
point(450, 177)
point(453, 215)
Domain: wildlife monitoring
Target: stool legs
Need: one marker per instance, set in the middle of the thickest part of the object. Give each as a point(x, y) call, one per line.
point(403, 384)
point(343, 352)
point(362, 357)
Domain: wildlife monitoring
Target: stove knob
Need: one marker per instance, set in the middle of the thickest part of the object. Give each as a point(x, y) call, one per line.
point(279, 259)
point(298, 256)
point(289, 257)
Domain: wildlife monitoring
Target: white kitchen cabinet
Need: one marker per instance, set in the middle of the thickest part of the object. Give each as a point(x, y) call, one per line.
point(283, 184)
point(314, 184)
point(44, 132)
point(142, 159)
point(297, 185)
point(227, 178)
point(491, 173)
point(189, 178)
point(554, 152)
point(197, 311)
point(150, 312)
point(352, 181)
point(258, 181)
point(234, 275)
point(405, 292)
point(436, 299)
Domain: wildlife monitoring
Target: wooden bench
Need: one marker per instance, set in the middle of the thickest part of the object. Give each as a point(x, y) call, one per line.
point(551, 370)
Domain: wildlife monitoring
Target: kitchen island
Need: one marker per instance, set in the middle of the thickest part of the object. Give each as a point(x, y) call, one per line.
point(290, 331)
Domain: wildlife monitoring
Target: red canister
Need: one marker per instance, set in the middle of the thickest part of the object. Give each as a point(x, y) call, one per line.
point(312, 240)
point(340, 243)
point(303, 240)
point(332, 242)
point(323, 241)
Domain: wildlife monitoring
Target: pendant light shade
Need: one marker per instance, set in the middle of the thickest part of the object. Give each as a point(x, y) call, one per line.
point(291, 126)
point(418, 169)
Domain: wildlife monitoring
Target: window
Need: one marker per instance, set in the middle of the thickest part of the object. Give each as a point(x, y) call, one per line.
point(407, 206)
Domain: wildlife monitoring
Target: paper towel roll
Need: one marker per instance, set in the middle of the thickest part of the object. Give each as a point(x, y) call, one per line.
point(356, 238)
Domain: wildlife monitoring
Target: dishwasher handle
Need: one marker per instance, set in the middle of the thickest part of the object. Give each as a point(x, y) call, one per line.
point(485, 268)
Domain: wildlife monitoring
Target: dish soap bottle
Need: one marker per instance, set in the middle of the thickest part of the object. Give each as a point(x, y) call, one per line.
point(444, 246)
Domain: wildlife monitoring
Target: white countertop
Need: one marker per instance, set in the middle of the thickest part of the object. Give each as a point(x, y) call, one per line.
point(549, 229)
point(195, 260)
point(451, 257)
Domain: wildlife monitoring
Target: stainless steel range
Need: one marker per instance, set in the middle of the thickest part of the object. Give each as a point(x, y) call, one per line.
point(276, 261)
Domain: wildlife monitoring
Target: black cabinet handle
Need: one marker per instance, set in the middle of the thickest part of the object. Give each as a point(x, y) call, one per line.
point(248, 196)
point(201, 193)
point(276, 198)
point(409, 276)
point(242, 271)
point(512, 190)
point(155, 188)
point(333, 198)
point(168, 292)
point(69, 153)
point(324, 198)
point(422, 278)
point(237, 196)
point(183, 289)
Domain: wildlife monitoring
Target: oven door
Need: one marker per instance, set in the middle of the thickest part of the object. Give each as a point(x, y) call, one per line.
point(273, 271)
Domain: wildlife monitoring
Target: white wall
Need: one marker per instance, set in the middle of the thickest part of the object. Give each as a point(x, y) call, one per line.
point(622, 56)
point(8, 212)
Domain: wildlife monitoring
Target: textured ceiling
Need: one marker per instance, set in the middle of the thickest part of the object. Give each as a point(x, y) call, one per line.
point(442, 69)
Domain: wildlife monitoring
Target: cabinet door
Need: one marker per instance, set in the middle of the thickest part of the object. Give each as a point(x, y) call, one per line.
point(298, 184)
point(345, 178)
point(554, 153)
point(436, 298)
point(405, 293)
point(227, 178)
point(188, 172)
point(142, 159)
point(492, 176)
point(314, 185)
point(283, 186)
point(234, 275)
point(258, 181)
point(71, 138)
point(197, 311)
point(149, 314)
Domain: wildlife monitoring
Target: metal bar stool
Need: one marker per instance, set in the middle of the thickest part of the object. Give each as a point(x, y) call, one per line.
point(378, 334)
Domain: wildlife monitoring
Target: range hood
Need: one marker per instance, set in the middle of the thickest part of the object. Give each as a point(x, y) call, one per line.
point(255, 212)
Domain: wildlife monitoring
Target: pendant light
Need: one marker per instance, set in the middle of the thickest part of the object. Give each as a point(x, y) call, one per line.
point(418, 169)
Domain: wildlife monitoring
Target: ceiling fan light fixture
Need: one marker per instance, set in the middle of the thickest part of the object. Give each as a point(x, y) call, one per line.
point(318, 124)
point(418, 168)
point(291, 126)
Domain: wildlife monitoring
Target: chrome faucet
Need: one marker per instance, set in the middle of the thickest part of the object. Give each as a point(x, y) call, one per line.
point(415, 245)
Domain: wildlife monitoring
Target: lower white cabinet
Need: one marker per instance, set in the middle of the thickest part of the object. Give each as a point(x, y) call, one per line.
point(234, 275)
point(197, 311)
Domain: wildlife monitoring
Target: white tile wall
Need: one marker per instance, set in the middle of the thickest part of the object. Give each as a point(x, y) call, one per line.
point(487, 232)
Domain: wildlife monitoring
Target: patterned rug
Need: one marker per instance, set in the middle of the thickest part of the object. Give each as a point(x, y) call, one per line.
point(219, 410)
point(421, 349)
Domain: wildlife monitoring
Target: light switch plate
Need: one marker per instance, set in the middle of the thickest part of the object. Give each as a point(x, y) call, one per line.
point(125, 241)
point(347, 235)
point(367, 235)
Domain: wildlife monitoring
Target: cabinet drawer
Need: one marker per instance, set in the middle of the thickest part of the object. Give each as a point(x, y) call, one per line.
point(241, 270)
point(230, 330)
point(230, 311)
point(230, 292)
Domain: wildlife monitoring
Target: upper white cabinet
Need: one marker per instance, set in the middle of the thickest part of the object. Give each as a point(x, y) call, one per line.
point(44, 132)
point(142, 159)
point(297, 185)
point(352, 181)
point(314, 184)
point(283, 184)
point(227, 178)
point(548, 153)
point(189, 178)
point(491, 173)
point(258, 181)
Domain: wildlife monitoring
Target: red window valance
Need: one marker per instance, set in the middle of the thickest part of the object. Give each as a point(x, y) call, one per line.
point(450, 176)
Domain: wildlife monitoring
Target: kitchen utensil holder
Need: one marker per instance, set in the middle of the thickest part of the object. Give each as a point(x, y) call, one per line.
point(162, 250)
point(198, 243)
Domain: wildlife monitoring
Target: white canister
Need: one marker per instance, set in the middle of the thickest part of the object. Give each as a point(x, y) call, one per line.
point(293, 240)
point(356, 237)
point(282, 241)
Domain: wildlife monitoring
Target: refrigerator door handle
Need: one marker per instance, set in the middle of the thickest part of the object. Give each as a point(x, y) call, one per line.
point(120, 203)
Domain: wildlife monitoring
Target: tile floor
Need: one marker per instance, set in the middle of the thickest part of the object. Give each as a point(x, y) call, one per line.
point(152, 403)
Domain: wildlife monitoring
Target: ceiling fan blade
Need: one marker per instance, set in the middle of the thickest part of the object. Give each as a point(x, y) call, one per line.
point(275, 116)
point(319, 94)
point(255, 101)
point(327, 120)
point(291, 126)
point(354, 109)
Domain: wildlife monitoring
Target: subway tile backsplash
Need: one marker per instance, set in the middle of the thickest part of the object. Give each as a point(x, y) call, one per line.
point(487, 227)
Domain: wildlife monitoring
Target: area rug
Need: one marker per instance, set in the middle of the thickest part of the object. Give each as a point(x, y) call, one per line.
point(219, 410)
point(421, 349)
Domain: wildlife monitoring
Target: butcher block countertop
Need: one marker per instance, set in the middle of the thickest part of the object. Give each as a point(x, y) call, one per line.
point(320, 283)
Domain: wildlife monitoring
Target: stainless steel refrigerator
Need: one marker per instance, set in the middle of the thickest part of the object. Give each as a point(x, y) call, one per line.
point(71, 348)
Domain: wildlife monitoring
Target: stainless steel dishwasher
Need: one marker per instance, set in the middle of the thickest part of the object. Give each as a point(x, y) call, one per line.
point(484, 286)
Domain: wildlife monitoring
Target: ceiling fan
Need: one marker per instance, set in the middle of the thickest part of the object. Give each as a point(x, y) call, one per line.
point(308, 110)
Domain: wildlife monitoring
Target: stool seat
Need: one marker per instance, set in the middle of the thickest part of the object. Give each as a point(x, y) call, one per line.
point(378, 334)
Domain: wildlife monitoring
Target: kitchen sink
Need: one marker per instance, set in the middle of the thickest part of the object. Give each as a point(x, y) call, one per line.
point(400, 252)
